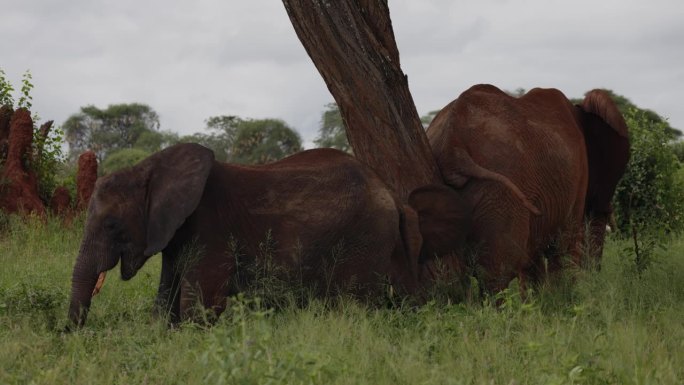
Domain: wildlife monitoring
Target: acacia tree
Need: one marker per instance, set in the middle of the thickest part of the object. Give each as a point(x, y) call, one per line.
point(220, 135)
point(106, 130)
point(351, 43)
point(331, 132)
point(263, 141)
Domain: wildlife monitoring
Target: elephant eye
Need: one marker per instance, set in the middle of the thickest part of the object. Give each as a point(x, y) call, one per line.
point(116, 230)
point(113, 226)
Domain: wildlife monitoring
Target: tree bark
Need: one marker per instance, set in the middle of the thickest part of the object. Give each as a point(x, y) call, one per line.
point(351, 43)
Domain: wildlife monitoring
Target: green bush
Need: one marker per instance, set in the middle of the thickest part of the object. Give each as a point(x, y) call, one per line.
point(123, 158)
point(47, 160)
point(648, 201)
point(678, 149)
point(262, 141)
point(6, 90)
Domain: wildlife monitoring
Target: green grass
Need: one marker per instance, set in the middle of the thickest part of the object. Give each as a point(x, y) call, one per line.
point(607, 327)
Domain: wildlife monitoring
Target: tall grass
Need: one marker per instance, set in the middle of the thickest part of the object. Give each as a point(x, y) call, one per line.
point(613, 326)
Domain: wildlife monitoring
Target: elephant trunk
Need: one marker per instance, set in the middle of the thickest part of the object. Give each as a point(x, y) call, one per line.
point(82, 285)
point(84, 279)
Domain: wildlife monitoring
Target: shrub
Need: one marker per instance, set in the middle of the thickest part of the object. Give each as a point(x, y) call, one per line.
point(6, 90)
point(648, 200)
point(47, 161)
point(678, 149)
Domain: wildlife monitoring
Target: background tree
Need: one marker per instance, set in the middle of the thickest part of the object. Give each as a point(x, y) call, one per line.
point(263, 141)
point(239, 140)
point(426, 119)
point(125, 157)
point(224, 125)
point(221, 131)
point(116, 127)
point(351, 43)
point(153, 141)
point(678, 149)
point(331, 132)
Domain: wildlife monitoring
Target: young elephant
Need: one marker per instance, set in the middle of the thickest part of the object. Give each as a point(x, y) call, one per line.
point(331, 220)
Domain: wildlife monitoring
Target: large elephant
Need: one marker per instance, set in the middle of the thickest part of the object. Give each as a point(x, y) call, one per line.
point(329, 219)
point(565, 159)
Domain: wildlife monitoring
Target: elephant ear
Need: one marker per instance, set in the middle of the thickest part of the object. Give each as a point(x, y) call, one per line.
point(607, 141)
point(177, 176)
point(444, 217)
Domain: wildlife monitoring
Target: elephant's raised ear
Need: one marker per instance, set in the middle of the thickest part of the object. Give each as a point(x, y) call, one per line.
point(444, 218)
point(607, 141)
point(177, 176)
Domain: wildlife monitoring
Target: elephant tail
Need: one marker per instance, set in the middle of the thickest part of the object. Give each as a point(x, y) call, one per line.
point(464, 167)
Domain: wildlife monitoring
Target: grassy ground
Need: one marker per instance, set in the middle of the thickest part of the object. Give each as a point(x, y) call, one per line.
point(609, 327)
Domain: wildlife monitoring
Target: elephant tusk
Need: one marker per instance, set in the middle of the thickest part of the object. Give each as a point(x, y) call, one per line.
point(100, 282)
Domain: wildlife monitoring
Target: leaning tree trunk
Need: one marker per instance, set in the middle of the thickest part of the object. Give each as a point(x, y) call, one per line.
point(352, 45)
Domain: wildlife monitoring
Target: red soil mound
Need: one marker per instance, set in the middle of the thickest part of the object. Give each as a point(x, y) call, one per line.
point(18, 185)
point(60, 202)
point(86, 177)
point(5, 116)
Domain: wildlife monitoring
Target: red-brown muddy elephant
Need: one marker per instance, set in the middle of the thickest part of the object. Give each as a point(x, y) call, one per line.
point(330, 220)
point(565, 159)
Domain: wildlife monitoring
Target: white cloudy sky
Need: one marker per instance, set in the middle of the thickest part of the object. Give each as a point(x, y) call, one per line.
point(193, 59)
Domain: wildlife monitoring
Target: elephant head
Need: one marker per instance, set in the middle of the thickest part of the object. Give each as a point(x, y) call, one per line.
point(607, 141)
point(133, 215)
point(444, 216)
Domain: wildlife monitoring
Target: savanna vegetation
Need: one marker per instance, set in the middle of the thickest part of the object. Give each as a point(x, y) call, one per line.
point(619, 325)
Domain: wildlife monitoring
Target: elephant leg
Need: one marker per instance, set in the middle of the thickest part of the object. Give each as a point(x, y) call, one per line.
point(575, 248)
point(168, 299)
point(504, 250)
point(567, 248)
point(575, 230)
point(202, 300)
point(504, 262)
point(597, 223)
point(206, 285)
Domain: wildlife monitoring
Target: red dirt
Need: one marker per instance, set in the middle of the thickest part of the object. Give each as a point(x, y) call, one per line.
point(18, 185)
point(5, 116)
point(60, 203)
point(85, 179)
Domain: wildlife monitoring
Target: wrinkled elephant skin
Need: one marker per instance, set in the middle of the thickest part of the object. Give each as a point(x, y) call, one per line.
point(565, 160)
point(330, 221)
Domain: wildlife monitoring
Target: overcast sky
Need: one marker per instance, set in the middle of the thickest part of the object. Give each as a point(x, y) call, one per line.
point(191, 60)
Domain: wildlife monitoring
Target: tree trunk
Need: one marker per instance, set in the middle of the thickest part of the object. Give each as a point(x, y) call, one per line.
point(352, 45)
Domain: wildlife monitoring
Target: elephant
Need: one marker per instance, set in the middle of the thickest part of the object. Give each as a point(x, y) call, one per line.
point(311, 205)
point(567, 160)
